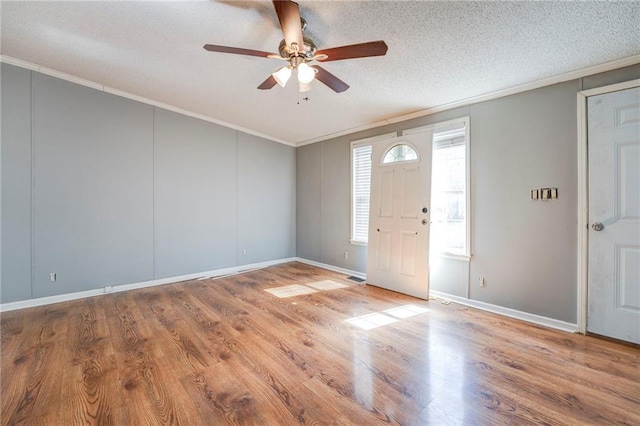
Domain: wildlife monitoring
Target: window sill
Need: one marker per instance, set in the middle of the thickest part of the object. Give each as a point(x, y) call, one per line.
point(358, 243)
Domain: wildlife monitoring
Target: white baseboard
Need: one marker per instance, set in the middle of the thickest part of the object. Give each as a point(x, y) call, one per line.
point(331, 267)
point(125, 287)
point(513, 313)
point(508, 312)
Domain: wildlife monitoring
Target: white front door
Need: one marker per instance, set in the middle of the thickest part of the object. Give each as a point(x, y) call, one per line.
point(398, 252)
point(614, 215)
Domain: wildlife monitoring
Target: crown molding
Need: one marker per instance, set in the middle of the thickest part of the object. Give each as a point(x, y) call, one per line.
point(572, 75)
point(561, 78)
point(97, 86)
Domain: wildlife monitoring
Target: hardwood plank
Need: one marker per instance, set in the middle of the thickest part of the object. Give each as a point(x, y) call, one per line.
point(99, 390)
point(180, 343)
point(225, 351)
point(153, 394)
point(11, 326)
point(33, 378)
point(302, 349)
point(270, 380)
point(89, 380)
point(300, 356)
point(222, 398)
point(534, 354)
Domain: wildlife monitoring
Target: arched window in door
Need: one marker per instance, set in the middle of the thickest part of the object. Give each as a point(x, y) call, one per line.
point(399, 153)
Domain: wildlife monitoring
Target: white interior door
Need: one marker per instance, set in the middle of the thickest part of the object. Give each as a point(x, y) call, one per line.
point(614, 215)
point(398, 252)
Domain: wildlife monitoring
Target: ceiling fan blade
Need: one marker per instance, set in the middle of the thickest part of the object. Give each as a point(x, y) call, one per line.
point(333, 82)
point(289, 16)
point(268, 83)
point(237, 51)
point(361, 50)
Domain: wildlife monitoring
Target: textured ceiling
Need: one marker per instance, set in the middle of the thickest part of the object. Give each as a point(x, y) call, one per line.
point(439, 52)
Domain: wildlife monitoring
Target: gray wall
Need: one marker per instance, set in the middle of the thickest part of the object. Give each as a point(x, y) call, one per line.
point(266, 200)
point(309, 201)
point(525, 250)
point(93, 188)
point(195, 195)
point(15, 139)
point(105, 191)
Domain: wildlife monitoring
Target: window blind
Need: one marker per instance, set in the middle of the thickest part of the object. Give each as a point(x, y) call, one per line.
point(361, 188)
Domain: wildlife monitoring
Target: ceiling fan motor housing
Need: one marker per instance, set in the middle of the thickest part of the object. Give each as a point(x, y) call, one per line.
point(308, 51)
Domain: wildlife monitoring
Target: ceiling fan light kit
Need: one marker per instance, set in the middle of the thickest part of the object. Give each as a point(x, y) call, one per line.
point(282, 75)
point(306, 74)
point(299, 51)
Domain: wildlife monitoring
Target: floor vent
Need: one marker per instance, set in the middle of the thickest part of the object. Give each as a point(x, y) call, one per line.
point(356, 279)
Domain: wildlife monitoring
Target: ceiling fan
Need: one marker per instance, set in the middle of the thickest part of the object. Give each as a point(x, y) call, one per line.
point(299, 51)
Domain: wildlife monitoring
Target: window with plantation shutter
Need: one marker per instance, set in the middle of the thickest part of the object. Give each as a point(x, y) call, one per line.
point(361, 183)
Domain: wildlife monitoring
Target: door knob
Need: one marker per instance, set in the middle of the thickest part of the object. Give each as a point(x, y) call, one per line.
point(597, 226)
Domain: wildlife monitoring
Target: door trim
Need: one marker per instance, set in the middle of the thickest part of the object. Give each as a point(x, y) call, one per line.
point(583, 196)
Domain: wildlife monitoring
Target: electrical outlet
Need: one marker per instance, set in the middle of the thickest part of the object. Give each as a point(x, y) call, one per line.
point(481, 281)
point(52, 277)
point(346, 255)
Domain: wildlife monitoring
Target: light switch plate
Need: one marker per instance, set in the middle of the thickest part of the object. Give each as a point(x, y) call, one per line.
point(545, 193)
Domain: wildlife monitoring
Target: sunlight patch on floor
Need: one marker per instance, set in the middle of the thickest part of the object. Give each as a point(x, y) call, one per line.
point(369, 321)
point(389, 316)
point(406, 311)
point(326, 285)
point(290, 290)
point(307, 288)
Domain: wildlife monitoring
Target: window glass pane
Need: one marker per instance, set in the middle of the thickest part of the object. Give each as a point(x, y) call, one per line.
point(400, 153)
point(360, 191)
point(448, 194)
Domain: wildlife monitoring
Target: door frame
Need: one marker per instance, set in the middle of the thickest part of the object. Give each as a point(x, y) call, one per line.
point(583, 196)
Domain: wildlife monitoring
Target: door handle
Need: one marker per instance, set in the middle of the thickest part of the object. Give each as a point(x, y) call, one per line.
point(598, 226)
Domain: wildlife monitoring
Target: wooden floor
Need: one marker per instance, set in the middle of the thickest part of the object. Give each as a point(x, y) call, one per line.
point(226, 351)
